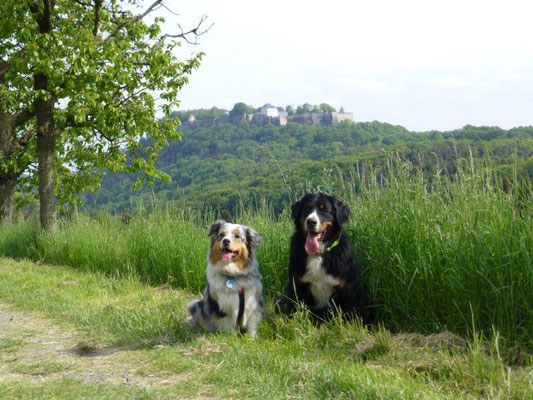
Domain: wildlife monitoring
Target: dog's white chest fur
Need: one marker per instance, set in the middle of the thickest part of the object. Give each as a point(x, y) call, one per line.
point(321, 283)
point(228, 298)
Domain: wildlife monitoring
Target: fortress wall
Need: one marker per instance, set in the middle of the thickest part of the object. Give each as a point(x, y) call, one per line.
point(329, 118)
point(339, 117)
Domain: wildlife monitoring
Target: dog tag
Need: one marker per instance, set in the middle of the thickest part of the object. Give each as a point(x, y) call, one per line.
point(230, 284)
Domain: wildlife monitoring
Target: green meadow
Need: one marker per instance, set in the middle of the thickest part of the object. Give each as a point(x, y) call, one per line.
point(67, 334)
point(447, 260)
point(437, 252)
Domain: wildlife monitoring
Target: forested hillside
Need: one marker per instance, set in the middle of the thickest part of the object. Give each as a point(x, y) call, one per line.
point(223, 166)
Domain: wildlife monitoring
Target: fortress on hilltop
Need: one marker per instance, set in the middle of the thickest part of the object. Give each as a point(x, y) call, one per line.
point(269, 114)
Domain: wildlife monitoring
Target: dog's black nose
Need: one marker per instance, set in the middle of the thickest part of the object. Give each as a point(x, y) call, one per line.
point(226, 242)
point(311, 222)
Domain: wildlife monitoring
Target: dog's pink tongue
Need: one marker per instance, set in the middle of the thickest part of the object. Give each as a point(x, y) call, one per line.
point(311, 244)
point(227, 256)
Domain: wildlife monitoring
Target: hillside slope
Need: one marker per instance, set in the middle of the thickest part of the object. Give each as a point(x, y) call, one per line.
point(226, 165)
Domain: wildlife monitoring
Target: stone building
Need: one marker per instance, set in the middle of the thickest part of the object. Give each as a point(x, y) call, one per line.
point(269, 110)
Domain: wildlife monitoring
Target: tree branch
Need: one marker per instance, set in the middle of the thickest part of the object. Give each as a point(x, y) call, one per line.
point(126, 99)
point(155, 5)
point(169, 10)
point(111, 141)
point(196, 32)
point(4, 66)
point(88, 123)
point(25, 139)
point(44, 19)
point(24, 116)
point(97, 7)
point(70, 123)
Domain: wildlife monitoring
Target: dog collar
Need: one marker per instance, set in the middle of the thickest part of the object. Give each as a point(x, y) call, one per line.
point(230, 284)
point(334, 244)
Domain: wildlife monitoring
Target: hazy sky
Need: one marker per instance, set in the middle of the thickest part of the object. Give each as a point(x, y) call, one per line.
point(421, 64)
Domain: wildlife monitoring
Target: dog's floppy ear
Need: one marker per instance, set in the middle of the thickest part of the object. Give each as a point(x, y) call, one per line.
point(342, 212)
point(295, 208)
point(253, 238)
point(215, 227)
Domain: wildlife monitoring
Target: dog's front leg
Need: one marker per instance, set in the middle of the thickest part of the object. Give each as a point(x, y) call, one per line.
point(295, 292)
point(252, 321)
point(249, 308)
point(251, 314)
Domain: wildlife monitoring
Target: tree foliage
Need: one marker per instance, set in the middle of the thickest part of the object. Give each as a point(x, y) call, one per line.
point(309, 108)
point(289, 109)
point(94, 73)
point(241, 109)
point(199, 114)
point(324, 107)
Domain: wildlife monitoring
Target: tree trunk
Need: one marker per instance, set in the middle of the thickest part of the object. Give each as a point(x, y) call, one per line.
point(8, 180)
point(12, 166)
point(46, 150)
point(7, 187)
point(46, 134)
point(46, 147)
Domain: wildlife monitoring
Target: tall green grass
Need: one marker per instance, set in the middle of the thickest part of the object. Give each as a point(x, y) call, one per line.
point(437, 251)
point(447, 252)
point(166, 246)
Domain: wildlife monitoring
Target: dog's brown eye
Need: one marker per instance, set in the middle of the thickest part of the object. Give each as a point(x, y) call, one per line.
point(322, 207)
point(237, 236)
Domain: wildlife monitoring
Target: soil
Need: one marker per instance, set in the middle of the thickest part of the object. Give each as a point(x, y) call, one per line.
point(36, 349)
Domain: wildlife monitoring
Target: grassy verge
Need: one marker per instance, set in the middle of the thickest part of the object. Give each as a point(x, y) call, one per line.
point(145, 329)
point(437, 252)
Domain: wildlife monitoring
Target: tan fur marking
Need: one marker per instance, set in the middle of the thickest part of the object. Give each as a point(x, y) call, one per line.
point(241, 259)
point(216, 254)
point(341, 282)
point(325, 225)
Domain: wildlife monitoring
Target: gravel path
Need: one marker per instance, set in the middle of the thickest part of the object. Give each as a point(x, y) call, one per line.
point(35, 349)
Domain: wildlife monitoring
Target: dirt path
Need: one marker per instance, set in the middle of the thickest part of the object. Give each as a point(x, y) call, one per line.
point(35, 349)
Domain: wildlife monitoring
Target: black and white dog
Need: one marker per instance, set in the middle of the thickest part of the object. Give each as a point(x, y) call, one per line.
point(322, 270)
point(233, 298)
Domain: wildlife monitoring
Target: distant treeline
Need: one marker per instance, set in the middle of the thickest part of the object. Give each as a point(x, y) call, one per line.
point(226, 166)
